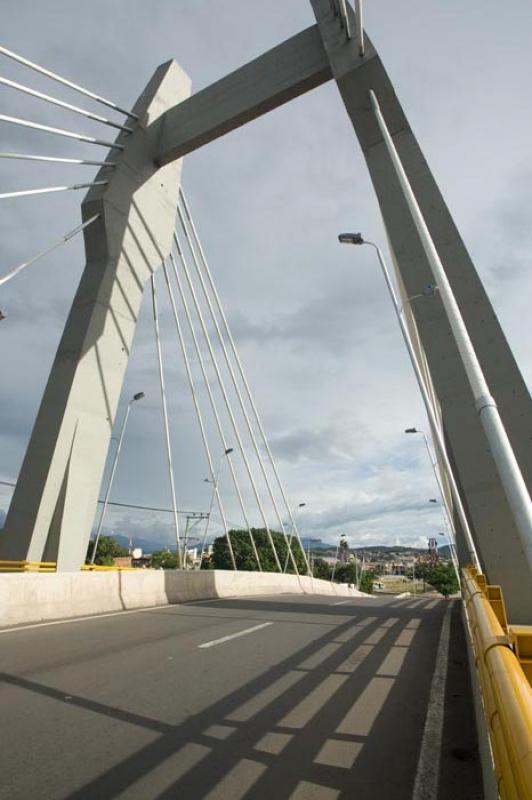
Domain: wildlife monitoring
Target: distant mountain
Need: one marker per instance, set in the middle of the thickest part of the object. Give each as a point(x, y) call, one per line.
point(147, 545)
point(150, 546)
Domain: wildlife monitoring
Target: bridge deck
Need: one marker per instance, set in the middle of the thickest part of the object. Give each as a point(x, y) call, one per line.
point(329, 701)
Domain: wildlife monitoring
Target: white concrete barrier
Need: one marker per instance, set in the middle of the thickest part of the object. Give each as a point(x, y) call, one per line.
point(35, 597)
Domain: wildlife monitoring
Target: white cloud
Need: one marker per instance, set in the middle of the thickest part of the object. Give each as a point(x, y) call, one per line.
point(316, 331)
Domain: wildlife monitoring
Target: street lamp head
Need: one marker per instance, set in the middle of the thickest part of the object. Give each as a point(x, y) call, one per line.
point(229, 450)
point(411, 430)
point(139, 396)
point(350, 238)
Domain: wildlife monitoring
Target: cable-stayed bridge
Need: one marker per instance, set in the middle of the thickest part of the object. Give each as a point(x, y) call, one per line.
point(314, 690)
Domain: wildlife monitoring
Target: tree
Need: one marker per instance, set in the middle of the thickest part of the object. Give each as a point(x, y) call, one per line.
point(320, 569)
point(366, 582)
point(108, 550)
point(442, 577)
point(346, 573)
point(245, 557)
point(163, 559)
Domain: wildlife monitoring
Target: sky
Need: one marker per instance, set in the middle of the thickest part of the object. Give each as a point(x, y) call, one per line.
point(312, 321)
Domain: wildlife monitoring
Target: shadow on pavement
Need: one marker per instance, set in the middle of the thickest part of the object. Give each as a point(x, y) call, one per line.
point(342, 717)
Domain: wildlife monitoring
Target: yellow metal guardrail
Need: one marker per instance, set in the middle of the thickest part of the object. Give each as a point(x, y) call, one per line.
point(503, 657)
point(102, 568)
point(27, 566)
point(51, 566)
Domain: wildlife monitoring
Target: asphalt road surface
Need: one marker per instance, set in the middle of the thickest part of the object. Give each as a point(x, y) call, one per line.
point(307, 698)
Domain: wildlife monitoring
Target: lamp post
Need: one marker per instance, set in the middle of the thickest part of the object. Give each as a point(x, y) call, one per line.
point(214, 482)
point(293, 517)
point(357, 238)
point(137, 396)
point(485, 405)
point(447, 515)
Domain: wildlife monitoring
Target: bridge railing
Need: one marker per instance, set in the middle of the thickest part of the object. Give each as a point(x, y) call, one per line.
point(27, 566)
point(504, 664)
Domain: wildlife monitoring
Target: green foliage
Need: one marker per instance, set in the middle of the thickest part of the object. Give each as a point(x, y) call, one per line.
point(366, 582)
point(108, 550)
point(244, 555)
point(441, 576)
point(162, 559)
point(320, 569)
point(346, 573)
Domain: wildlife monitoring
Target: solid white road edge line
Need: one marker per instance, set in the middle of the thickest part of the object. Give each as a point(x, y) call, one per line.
point(81, 619)
point(214, 642)
point(428, 765)
point(16, 628)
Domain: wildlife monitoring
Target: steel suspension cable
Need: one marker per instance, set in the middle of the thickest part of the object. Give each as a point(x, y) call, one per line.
point(212, 401)
point(198, 413)
point(51, 189)
point(50, 249)
point(235, 384)
point(242, 374)
point(19, 87)
point(227, 402)
point(38, 126)
point(55, 77)
point(56, 159)
point(165, 417)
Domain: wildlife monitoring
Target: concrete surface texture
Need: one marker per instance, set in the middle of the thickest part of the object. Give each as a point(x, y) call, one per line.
point(54, 504)
point(33, 597)
point(476, 473)
point(300, 697)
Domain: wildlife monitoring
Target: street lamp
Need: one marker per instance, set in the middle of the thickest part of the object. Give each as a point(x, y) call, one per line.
point(137, 396)
point(292, 516)
point(446, 512)
point(214, 482)
point(357, 238)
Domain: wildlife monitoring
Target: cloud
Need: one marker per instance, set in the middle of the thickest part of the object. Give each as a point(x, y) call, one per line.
point(312, 319)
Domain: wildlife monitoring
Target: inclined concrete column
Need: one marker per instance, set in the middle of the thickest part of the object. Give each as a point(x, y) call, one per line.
point(55, 500)
point(495, 534)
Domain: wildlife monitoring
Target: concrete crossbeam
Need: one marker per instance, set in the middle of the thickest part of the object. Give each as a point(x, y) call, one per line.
point(274, 78)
